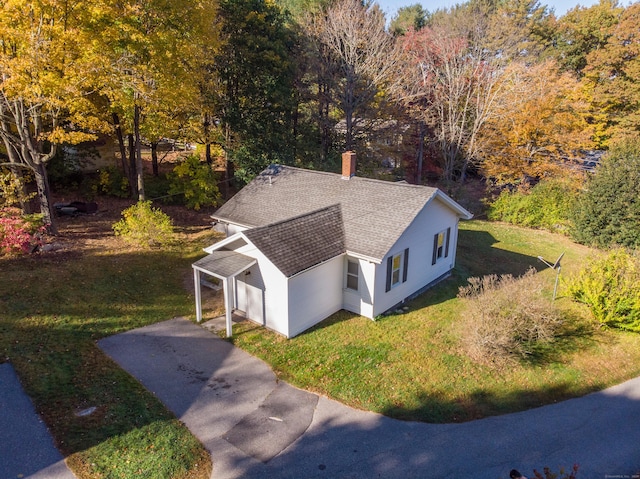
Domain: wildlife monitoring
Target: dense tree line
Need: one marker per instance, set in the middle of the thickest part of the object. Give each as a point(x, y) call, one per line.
point(507, 89)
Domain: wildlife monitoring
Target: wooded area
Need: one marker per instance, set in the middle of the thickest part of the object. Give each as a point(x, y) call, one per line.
point(503, 89)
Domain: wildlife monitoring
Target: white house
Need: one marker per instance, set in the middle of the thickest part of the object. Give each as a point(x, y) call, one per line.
point(304, 244)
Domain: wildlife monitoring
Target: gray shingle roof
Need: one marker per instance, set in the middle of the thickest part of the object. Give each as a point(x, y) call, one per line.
point(299, 243)
point(224, 263)
point(375, 212)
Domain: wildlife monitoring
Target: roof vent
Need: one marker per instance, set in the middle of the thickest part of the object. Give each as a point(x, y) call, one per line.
point(348, 165)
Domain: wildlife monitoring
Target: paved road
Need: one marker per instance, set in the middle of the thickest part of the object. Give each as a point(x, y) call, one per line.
point(26, 447)
point(257, 427)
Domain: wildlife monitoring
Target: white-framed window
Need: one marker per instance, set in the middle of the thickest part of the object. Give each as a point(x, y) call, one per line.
point(397, 269)
point(441, 245)
point(353, 270)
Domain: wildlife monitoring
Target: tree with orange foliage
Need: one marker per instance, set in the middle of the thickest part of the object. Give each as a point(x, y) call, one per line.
point(613, 72)
point(540, 124)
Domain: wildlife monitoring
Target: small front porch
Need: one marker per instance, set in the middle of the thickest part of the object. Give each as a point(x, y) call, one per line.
point(224, 265)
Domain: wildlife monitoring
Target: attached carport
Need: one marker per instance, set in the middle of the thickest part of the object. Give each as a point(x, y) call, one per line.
point(224, 265)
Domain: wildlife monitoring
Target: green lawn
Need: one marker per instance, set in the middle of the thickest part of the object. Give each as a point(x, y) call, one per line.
point(56, 306)
point(412, 366)
point(54, 309)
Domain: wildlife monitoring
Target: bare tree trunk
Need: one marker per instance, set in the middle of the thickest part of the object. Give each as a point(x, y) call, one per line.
point(422, 127)
point(354, 35)
point(294, 129)
point(348, 115)
point(323, 120)
point(455, 82)
point(15, 166)
point(31, 152)
point(139, 170)
point(154, 158)
point(206, 127)
point(123, 150)
point(207, 153)
point(44, 194)
point(228, 171)
point(132, 166)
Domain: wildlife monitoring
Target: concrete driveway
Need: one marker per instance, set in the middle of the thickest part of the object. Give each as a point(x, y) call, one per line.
point(257, 427)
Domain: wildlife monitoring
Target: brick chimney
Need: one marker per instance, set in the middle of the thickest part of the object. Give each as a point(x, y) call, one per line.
point(348, 165)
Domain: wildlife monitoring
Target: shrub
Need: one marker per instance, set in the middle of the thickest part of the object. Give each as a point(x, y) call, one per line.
point(547, 205)
point(157, 189)
point(144, 226)
point(196, 181)
point(12, 191)
point(610, 287)
point(19, 234)
point(113, 182)
point(608, 211)
point(505, 318)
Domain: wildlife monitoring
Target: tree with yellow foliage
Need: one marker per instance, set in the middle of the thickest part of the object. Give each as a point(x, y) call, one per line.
point(151, 51)
point(613, 74)
point(539, 126)
point(45, 77)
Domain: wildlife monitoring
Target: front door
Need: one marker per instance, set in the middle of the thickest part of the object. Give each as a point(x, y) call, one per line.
point(249, 294)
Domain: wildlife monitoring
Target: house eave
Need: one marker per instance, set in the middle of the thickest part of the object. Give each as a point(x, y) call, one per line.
point(455, 206)
point(227, 221)
point(222, 243)
point(370, 259)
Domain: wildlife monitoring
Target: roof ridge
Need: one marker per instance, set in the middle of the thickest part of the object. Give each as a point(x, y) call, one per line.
point(358, 178)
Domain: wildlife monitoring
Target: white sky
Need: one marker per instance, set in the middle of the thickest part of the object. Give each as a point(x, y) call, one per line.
point(391, 6)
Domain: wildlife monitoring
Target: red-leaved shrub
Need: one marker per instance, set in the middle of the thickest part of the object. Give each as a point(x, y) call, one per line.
point(18, 234)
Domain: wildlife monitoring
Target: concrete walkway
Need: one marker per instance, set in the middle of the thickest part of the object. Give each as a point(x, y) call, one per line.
point(26, 447)
point(257, 427)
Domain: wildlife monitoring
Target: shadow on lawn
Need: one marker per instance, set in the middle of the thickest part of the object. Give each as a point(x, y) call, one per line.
point(575, 334)
point(479, 404)
point(478, 256)
point(56, 306)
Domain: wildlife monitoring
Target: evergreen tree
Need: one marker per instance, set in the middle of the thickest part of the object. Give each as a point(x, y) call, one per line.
point(254, 93)
point(608, 212)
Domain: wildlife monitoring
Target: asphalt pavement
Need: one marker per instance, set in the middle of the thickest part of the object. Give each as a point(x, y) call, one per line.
point(258, 427)
point(27, 450)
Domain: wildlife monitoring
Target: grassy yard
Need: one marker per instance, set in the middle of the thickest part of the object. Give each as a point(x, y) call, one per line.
point(412, 365)
point(55, 306)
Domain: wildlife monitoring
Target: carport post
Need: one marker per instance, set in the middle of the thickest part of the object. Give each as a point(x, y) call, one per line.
point(227, 288)
point(196, 283)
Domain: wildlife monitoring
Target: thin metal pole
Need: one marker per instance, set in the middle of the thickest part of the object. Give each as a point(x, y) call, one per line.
point(196, 283)
point(555, 289)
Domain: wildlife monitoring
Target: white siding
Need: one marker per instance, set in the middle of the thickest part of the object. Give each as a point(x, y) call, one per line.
point(290, 306)
point(314, 295)
point(361, 301)
point(275, 294)
point(418, 238)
